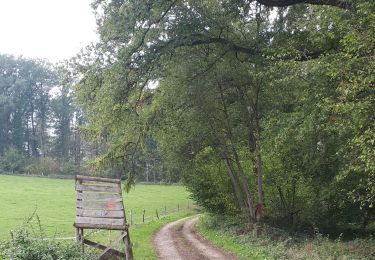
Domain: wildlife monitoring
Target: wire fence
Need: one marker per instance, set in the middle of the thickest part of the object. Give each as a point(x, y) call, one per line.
point(134, 219)
point(151, 215)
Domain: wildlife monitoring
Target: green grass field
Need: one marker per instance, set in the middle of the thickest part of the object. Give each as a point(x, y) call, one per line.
point(54, 202)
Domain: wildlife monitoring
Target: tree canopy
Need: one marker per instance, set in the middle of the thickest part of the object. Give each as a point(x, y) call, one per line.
point(258, 106)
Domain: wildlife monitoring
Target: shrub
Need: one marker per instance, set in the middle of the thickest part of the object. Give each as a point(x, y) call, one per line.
point(28, 244)
point(24, 246)
point(68, 168)
point(12, 160)
point(43, 166)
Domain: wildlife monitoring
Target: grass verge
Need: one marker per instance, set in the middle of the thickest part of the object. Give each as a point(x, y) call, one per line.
point(226, 240)
point(262, 242)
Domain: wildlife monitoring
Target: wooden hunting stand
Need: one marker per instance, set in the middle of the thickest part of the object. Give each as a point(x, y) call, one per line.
point(100, 206)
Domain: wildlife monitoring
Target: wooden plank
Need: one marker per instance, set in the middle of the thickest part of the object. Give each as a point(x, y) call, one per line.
point(80, 187)
point(109, 205)
point(100, 221)
point(90, 178)
point(100, 213)
point(98, 196)
point(112, 245)
point(99, 246)
point(97, 226)
point(99, 183)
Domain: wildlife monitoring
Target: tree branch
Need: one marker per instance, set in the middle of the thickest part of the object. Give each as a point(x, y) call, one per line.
point(231, 45)
point(343, 4)
point(253, 51)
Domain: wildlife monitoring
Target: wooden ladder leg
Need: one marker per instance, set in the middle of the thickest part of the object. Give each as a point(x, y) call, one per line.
point(128, 246)
point(82, 238)
point(79, 238)
point(77, 235)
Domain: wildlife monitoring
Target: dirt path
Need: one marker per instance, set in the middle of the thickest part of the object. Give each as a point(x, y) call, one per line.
point(179, 241)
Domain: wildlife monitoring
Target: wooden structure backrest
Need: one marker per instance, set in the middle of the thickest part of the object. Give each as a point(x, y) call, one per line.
point(99, 205)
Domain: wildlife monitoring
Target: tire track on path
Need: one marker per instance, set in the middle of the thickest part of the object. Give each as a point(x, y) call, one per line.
point(179, 240)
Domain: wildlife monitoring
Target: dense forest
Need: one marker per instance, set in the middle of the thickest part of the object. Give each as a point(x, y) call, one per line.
point(261, 108)
point(39, 120)
point(43, 131)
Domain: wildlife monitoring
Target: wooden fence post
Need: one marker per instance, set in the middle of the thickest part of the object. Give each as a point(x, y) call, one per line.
point(157, 214)
point(143, 216)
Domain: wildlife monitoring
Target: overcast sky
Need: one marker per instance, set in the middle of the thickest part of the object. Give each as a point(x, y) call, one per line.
point(51, 29)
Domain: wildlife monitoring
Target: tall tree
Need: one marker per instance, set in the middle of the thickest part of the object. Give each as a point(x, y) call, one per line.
point(238, 50)
point(25, 86)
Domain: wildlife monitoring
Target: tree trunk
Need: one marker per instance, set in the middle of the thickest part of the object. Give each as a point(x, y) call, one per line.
point(77, 141)
point(259, 166)
point(234, 182)
point(242, 176)
point(147, 172)
point(246, 189)
point(257, 132)
point(43, 122)
point(34, 148)
point(27, 137)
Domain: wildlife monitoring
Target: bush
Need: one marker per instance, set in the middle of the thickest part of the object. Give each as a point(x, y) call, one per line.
point(23, 246)
point(210, 186)
point(12, 161)
point(43, 166)
point(28, 244)
point(68, 168)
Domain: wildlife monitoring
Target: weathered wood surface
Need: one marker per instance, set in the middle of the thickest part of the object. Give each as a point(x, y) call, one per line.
point(112, 245)
point(109, 205)
point(100, 213)
point(100, 205)
point(114, 189)
point(97, 196)
point(99, 246)
point(100, 226)
point(98, 183)
point(100, 221)
point(90, 178)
